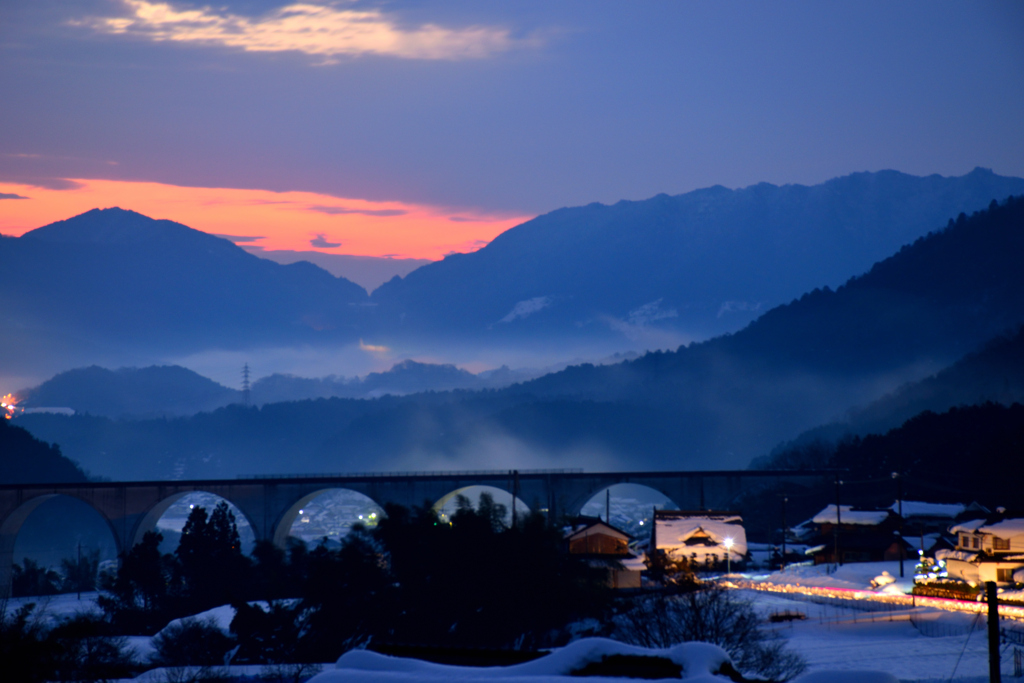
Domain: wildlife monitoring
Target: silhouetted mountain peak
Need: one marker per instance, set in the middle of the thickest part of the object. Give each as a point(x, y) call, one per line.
point(114, 226)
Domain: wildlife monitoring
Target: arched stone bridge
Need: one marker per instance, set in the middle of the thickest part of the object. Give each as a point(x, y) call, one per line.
point(271, 503)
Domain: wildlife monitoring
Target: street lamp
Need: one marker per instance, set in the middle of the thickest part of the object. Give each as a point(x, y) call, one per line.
point(728, 557)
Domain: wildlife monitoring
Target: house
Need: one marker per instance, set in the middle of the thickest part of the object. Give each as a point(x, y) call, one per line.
point(602, 545)
point(989, 549)
point(864, 535)
point(700, 537)
point(926, 525)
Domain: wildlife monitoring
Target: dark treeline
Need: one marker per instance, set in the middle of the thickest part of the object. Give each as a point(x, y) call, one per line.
point(25, 459)
point(413, 582)
point(412, 579)
point(966, 454)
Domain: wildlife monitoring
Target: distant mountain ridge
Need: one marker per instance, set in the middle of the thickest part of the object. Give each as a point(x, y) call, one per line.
point(992, 374)
point(174, 391)
point(114, 281)
point(701, 263)
point(156, 391)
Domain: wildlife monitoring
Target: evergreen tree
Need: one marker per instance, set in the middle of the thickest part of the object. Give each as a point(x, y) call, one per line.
point(213, 569)
point(139, 596)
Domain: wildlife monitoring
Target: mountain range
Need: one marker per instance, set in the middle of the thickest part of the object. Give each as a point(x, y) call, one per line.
point(172, 391)
point(714, 404)
point(698, 264)
point(112, 287)
point(111, 283)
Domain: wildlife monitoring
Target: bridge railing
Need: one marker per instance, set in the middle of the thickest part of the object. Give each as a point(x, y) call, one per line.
point(425, 473)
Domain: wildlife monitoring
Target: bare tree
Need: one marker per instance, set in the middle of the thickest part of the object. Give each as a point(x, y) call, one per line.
point(709, 614)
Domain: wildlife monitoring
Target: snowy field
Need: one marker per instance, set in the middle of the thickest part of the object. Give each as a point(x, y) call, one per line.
point(921, 645)
point(855, 576)
point(840, 638)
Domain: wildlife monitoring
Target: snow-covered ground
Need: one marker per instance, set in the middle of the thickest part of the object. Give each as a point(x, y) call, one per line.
point(920, 645)
point(49, 609)
point(700, 662)
point(853, 576)
point(840, 638)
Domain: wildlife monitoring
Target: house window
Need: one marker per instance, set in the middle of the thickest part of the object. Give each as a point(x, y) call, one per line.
point(965, 541)
point(1000, 543)
point(977, 542)
point(1004, 575)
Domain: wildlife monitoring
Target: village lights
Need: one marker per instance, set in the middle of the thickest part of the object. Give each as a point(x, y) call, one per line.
point(728, 558)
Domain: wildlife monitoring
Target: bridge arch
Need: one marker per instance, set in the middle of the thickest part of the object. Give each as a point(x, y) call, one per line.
point(15, 520)
point(149, 520)
point(628, 506)
point(283, 526)
point(444, 505)
point(574, 506)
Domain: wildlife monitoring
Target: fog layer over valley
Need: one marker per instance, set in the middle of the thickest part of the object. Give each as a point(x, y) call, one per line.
point(711, 405)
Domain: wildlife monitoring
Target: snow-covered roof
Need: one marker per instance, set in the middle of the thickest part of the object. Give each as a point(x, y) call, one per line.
point(1005, 528)
point(914, 508)
point(673, 532)
point(587, 529)
point(850, 516)
point(970, 526)
point(947, 554)
point(633, 563)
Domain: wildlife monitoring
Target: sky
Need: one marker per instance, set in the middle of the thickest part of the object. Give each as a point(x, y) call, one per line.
point(414, 129)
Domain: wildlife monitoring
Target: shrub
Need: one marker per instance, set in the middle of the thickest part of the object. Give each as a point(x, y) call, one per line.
point(709, 614)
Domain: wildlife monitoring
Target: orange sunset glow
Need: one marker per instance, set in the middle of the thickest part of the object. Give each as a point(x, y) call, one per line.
point(299, 221)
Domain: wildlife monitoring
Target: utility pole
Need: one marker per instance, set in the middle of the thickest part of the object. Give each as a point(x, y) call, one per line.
point(993, 633)
point(839, 521)
point(515, 494)
point(245, 384)
point(899, 503)
point(782, 563)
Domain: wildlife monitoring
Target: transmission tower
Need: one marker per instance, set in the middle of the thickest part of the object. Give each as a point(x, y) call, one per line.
point(245, 384)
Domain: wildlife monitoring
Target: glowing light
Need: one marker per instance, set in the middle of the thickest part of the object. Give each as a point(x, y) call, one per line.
point(729, 543)
point(9, 406)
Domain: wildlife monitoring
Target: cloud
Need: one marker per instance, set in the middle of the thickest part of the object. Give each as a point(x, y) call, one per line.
point(5, 195)
point(637, 325)
point(527, 308)
point(651, 312)
point(314, 29)
point(341, 210)
point(321, 241)
point(239, 239)
point(738, 306)
point(372, 348)
point(470, 219)
point(44, 182)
